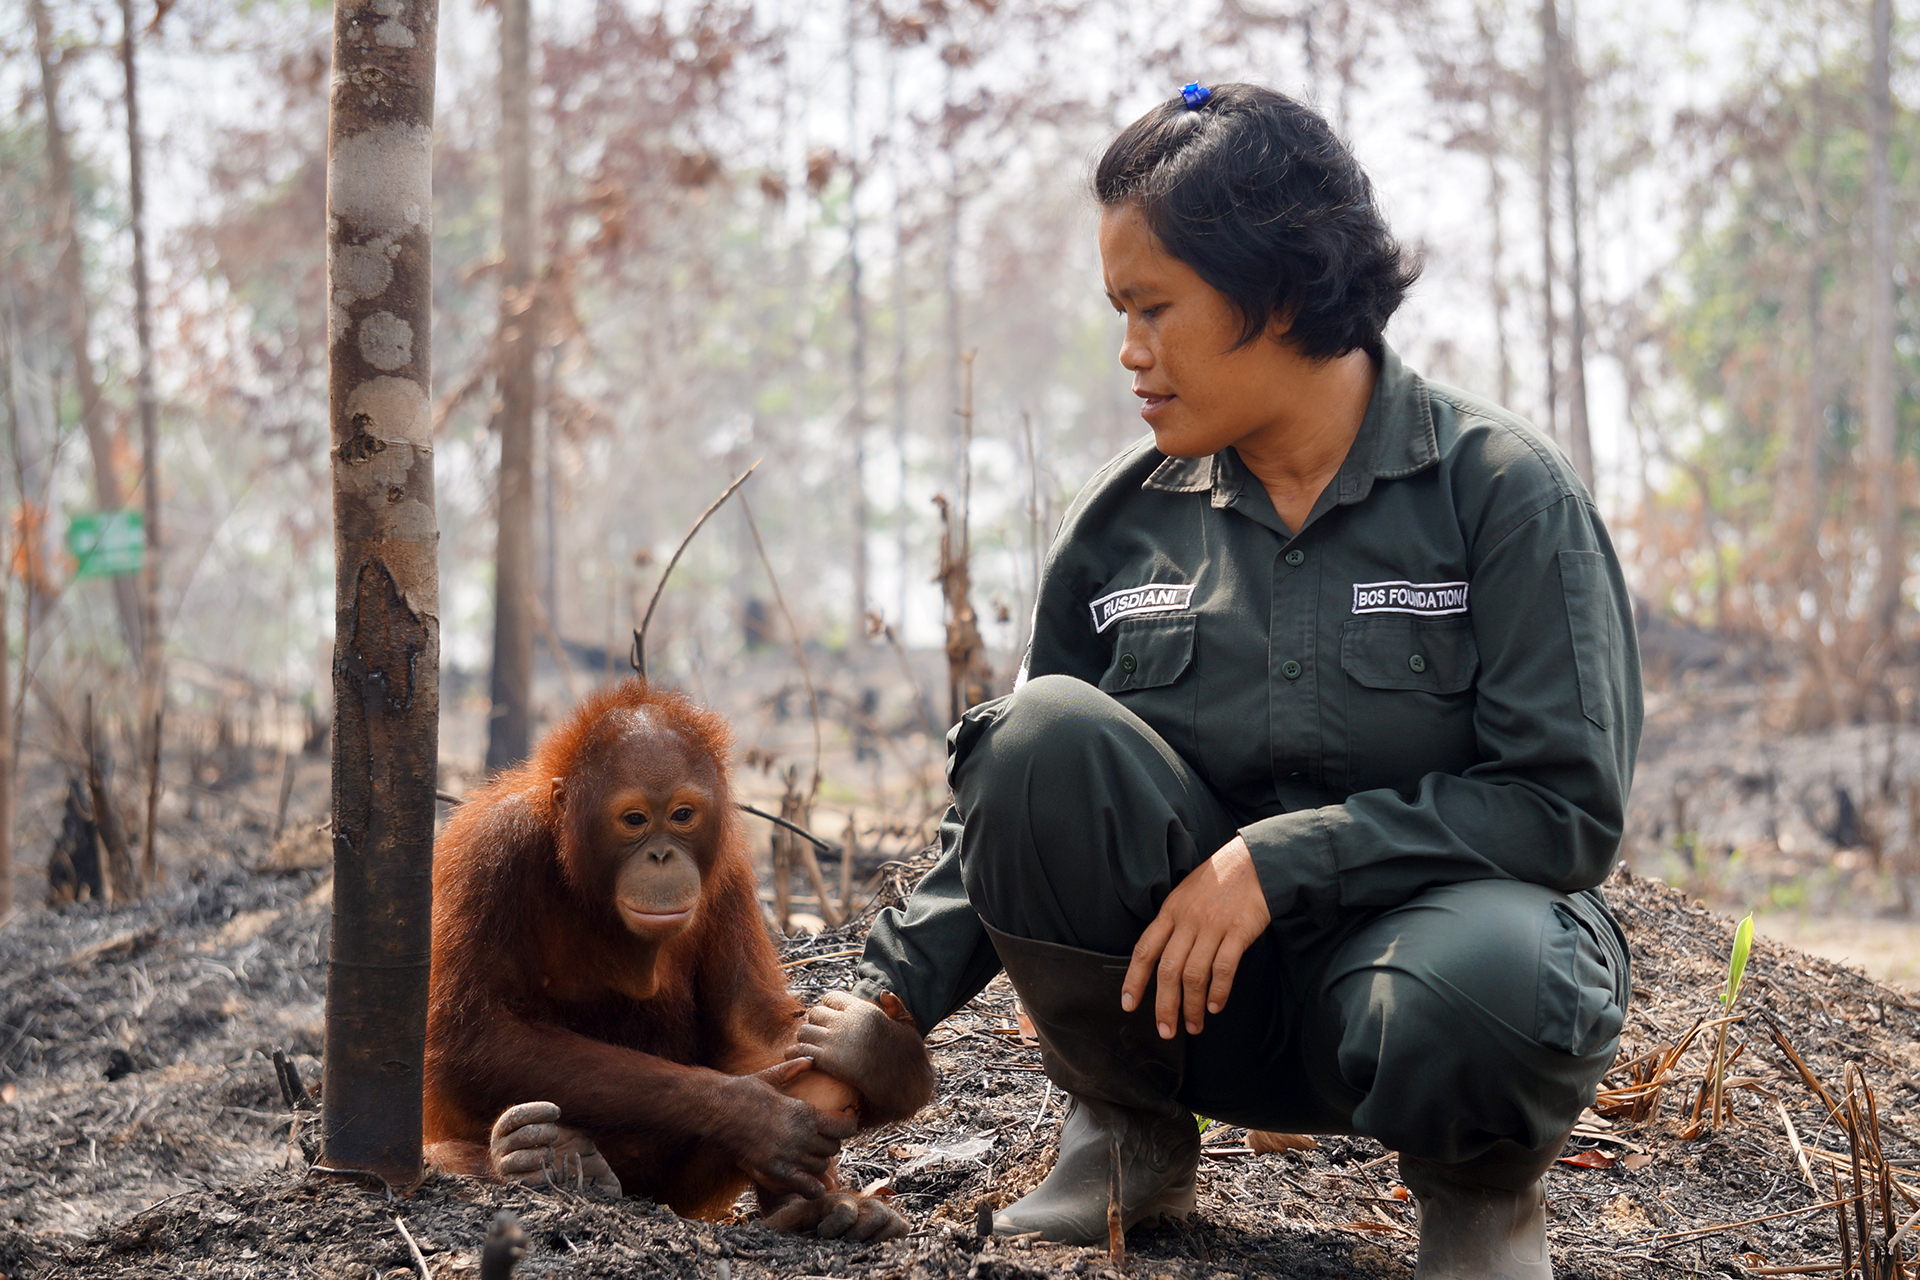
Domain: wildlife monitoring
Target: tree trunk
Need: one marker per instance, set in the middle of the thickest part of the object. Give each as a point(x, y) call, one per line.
point(902, 516)
point(1882, 446)
point(510, 728)
point(152, 676)
point(857, 314)
point(386, 665)
point(1579, 437)
point(1549, 114)
point(1806, 494)
point(1496, 256)
point(66, 231)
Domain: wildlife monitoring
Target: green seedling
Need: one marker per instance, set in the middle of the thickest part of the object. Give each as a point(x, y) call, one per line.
point(1737, 963)
point(1204, 1123)
point(1736, 972)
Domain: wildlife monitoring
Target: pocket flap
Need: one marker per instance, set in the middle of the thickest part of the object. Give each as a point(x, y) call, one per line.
point(1431, 655)
point(1149, 652)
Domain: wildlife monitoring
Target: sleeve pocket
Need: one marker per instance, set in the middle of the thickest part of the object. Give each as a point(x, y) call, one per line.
point(1149, 653)
point(1595, 629)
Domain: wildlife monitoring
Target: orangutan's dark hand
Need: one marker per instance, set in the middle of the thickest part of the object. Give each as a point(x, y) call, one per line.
point(528, 1144)
point(837, 1215)
point(782, 1143)
point(876, 1048)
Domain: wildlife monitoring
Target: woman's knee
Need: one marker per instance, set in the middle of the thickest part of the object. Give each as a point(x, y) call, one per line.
point(1048, 728)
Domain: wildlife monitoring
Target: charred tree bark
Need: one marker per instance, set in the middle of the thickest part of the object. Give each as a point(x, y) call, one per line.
point(66, 232)
point(510, 728)
point(152, 676)
point(6, 731)
point(386, 662)
point(1882, 443)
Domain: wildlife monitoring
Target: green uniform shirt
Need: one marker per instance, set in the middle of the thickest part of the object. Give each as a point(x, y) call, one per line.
point(1434, 680)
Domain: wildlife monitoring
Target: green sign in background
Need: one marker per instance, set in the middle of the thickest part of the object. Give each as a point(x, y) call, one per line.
point(106, 543)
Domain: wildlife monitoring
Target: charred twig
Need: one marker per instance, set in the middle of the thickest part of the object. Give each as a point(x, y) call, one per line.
point(286, 791)
point(639, 656)
point(1799, 1151)
point(149, 854)
point(419, 1260)
point(506, 1244)
point(116, 871)
point(1669, 1238)
point(822, 845)
point(1806, 1073)
point(292, 1089)
point(1116, 1223)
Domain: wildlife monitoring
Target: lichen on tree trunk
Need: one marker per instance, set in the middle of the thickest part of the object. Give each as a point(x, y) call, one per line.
point(387, 625)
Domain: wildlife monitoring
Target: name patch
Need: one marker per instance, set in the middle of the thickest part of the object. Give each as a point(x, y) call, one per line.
point(1428, 599)
point(1157, 597)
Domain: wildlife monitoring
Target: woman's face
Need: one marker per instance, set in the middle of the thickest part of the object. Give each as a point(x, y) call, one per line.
point(1199, 393)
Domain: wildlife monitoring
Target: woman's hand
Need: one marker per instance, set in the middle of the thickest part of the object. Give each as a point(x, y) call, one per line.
point(1194, 945)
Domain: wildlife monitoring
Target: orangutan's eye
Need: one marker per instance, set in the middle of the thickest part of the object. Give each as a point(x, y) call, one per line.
point(683, 814)
point(634, 818)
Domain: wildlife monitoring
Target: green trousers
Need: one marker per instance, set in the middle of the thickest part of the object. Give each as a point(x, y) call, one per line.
point(1470, 1013)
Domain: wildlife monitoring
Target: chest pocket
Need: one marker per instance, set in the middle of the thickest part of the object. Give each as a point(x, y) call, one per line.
point(1150, 655)
point(1410, 698)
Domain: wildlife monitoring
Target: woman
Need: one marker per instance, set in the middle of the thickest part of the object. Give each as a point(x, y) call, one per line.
point(1323, 742)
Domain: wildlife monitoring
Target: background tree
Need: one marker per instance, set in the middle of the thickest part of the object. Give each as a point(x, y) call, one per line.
point(387, 653)
point(509, 726)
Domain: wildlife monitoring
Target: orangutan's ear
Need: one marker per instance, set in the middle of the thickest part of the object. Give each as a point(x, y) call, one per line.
point(560, 795)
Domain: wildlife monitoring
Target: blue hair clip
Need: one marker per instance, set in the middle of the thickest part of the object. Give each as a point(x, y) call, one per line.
point(1195, 95)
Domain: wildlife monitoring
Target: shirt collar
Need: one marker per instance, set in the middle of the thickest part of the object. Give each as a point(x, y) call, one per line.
point(1396, 439)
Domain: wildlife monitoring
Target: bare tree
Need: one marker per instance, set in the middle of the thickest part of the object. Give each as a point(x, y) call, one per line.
point(66, 231)
point(1567, 72)
point(387, 608)
point(152, 679)
point(1549, 114)
point(856, 304)
point(1882, 446)
point(510, 728)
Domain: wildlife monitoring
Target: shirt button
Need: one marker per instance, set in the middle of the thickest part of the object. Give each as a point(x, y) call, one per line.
point(1290, 669)
point(1296, 557)
point(1128, 664)
point(1418, 662)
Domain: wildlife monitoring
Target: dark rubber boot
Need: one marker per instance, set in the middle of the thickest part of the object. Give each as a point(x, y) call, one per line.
point(1121, 1078)
point(1485, 1218)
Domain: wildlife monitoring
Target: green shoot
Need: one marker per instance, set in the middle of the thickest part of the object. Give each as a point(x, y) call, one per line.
point(1204, 1123)
point(1736, 971)
point(1737, 965)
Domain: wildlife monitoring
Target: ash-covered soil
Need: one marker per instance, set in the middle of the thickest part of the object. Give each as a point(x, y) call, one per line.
point(180, 1164)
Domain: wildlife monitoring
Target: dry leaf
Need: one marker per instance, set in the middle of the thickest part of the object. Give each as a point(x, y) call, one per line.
point(1589, 1160)
point(1265, 1142)
point(1027, 1034)
point(8, 1093)
point(1636, 1160)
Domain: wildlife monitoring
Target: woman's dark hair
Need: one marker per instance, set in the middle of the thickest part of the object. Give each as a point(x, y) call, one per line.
point(1257, 194)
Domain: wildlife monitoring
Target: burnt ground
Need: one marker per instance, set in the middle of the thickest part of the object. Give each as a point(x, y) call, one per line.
point(142, 1132)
